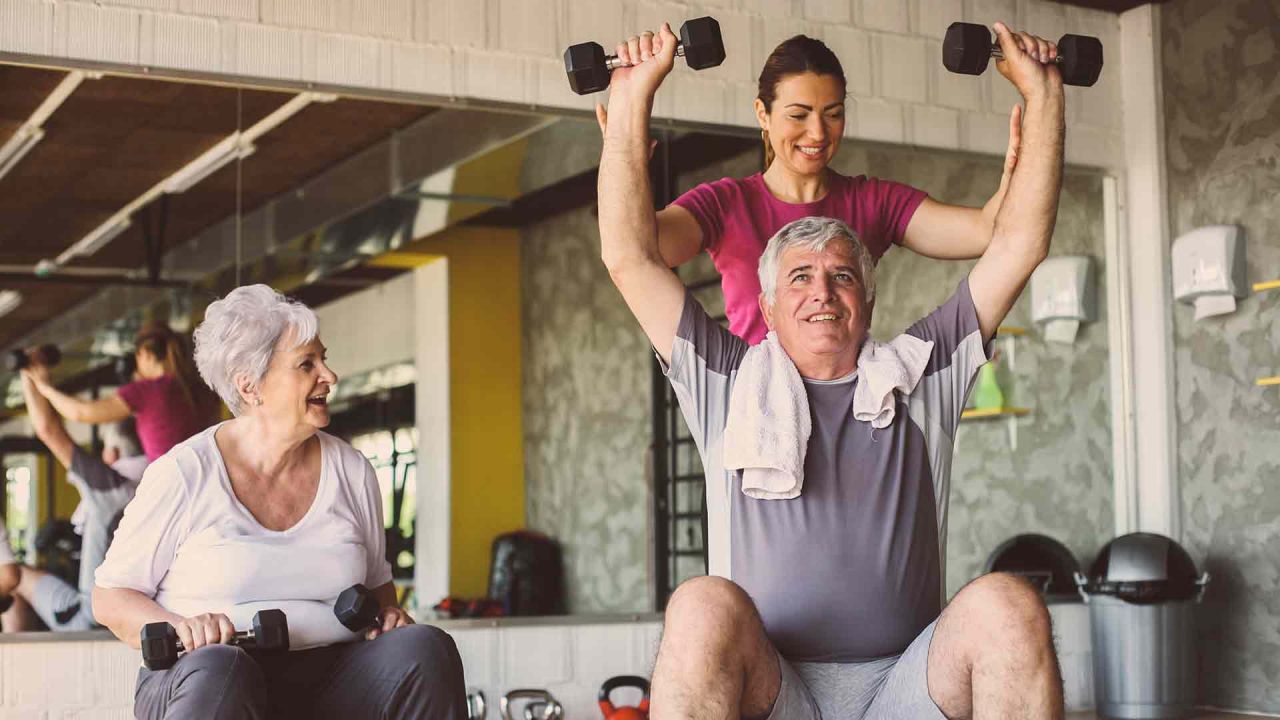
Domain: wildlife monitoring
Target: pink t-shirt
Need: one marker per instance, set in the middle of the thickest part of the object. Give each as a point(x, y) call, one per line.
point(738, 216)
point(163, 416)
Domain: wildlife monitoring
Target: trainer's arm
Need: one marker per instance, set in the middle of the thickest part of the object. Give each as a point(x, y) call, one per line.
point(44, 420)
point(1024, 224)
point(628, 223)
point(956, 232)
point(94, 412)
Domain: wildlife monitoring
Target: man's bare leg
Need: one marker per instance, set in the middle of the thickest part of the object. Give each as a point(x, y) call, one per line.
point(20, 617)
point(992, 654)
point(715, 661)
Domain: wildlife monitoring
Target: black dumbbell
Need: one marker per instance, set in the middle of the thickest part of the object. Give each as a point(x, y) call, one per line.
point(967, 48)
point(124, 367)
point(48, 355)
point(588, 67)
point(357, 609)
point(161, 646)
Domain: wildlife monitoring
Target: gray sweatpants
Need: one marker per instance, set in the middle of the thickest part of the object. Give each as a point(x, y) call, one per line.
point(410, 672)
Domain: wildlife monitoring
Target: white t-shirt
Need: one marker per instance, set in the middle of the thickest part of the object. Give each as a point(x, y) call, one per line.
point(188, 542)
point(6, 552)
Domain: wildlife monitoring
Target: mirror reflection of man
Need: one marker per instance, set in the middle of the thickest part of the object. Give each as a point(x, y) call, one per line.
point(827, 455)
point(105, 484)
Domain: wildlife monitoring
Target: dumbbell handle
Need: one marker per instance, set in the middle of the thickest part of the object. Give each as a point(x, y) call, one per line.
point(239, 638)
point(613, 62)
point(998, 54)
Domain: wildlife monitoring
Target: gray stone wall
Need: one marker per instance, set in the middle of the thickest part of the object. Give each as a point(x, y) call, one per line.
point(1222, 123)
point(586, 416)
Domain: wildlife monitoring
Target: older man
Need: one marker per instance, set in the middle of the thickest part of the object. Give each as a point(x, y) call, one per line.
point(106, 485)
point(825, 595)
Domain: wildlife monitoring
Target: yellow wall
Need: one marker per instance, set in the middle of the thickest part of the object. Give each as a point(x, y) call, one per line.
point(65, 495)
point(485, 403)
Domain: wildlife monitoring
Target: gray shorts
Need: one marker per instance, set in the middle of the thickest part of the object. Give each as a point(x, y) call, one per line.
point(893, 688)
point(61, 606)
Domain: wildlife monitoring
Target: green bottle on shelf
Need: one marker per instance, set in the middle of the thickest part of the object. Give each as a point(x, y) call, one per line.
point(988, 394)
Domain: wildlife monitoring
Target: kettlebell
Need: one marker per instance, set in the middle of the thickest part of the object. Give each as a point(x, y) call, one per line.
point(476, 709)
point(627, 712)
point(547, 708)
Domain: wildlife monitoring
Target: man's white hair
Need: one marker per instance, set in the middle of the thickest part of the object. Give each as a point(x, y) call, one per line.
point(815, 234)
point(239, 336)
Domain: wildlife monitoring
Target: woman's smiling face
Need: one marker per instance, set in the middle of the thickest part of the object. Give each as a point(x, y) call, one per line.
point(806, 121)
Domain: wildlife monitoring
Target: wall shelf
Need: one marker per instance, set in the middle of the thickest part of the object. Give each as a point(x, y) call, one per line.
point(1010, 416)
point(991, 413)
point(1011, 330)
point(1268, 285)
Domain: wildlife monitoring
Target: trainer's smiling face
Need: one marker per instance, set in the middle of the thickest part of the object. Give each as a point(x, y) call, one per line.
point(806, 121)
point(818, 310)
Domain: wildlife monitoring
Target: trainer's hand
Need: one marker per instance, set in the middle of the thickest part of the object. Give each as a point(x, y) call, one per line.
point(1028, 63)
point(36, 373)
point(205, 629)
point(392, 618)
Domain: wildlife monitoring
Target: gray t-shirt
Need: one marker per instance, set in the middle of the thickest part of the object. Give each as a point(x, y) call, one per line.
point(851, 570)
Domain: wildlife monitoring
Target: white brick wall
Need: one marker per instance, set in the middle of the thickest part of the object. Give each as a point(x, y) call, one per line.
point(94, 679)
point(509, 51)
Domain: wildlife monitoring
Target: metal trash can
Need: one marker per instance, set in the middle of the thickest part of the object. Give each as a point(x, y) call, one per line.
point(1142, 592)
point(1051, 568)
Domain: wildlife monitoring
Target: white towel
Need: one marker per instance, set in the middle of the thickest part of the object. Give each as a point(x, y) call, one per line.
point(767, 432)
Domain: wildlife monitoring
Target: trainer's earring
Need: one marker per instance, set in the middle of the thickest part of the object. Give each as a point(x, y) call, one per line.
point(259, 401)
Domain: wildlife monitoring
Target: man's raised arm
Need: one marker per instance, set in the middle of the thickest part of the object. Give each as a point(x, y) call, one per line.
point(1024, 223)
point(628, 223)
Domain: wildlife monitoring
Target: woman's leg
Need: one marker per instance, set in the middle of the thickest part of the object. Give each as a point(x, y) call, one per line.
point(219, 682)
point(410, 672)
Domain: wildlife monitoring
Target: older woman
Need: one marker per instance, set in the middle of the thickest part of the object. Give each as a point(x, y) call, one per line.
point(266, 511)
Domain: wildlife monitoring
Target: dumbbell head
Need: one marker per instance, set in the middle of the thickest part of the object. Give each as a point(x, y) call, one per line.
point(586, 67)
point(125, 366)
point(160, 646)
point(966, 48)
point(270, 630)
point(356, 608)
point(702, 43)
point(48, 355)
point(1081, 59)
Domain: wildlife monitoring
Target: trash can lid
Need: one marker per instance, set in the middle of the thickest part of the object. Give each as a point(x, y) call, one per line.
point(1143, 568)
point(1043, 561)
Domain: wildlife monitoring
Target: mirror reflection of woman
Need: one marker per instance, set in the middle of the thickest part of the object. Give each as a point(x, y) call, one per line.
point(166, 397)
point(801, 111)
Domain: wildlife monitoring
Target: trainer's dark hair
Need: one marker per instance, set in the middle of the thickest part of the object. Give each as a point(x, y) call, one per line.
point(794, 56)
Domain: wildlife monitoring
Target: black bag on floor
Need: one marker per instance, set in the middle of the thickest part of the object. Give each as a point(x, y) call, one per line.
point(526, 574)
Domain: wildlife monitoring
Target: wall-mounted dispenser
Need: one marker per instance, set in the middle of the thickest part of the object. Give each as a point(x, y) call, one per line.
point(1063, 296)
point(1208, 269)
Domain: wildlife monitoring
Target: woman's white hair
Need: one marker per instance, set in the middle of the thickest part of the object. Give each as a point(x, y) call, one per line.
point(815, 234)
point(239, 336)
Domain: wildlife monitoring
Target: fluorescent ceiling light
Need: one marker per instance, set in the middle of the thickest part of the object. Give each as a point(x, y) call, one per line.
point(18, 146)
point(93, 242)
point(231, 148)
point(9, 299)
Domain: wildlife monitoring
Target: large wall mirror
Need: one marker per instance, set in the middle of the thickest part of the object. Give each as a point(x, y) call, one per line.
point(490, 371)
